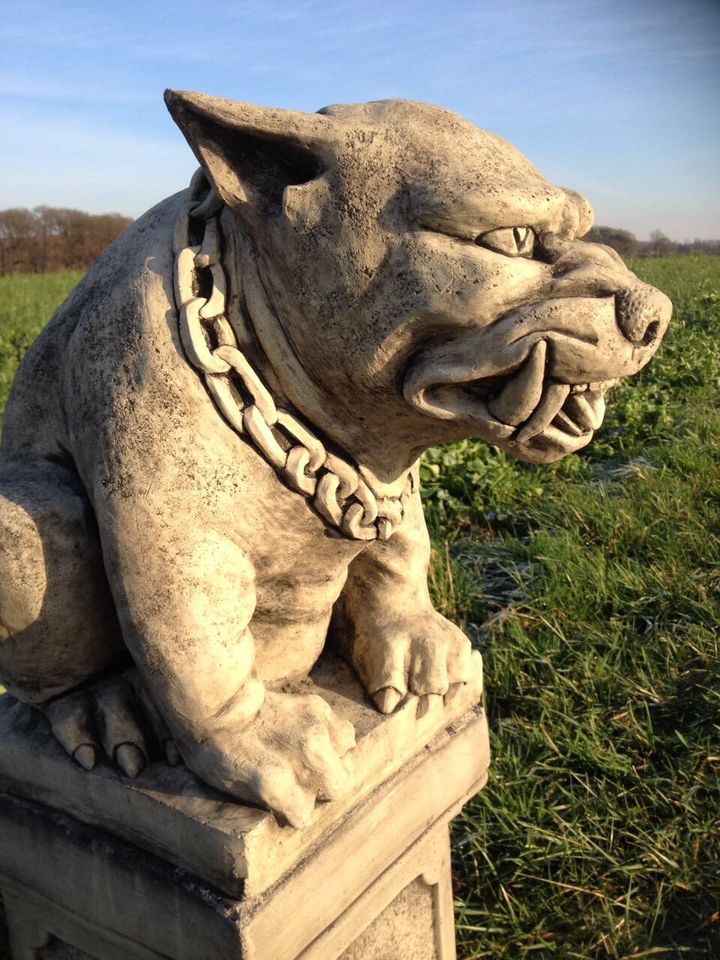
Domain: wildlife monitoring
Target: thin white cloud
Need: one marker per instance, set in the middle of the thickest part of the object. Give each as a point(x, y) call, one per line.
point(22, 86)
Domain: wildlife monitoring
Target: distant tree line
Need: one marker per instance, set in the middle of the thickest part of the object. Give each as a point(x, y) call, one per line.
point(627, 245)
point(53, 238)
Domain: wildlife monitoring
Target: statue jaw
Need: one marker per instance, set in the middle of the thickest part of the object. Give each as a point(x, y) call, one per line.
point(528, 413)
point(538, 389)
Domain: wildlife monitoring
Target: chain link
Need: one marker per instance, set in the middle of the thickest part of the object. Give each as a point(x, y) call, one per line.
point(334, 486)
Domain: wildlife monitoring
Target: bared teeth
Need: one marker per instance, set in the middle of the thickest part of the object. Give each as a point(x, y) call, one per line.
point(553, 398)
point(530, 403)
point(587, 410)
point(521, 394)
point(563, 421)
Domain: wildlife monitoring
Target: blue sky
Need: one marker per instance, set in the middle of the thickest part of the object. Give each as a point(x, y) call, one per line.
point(619, 99)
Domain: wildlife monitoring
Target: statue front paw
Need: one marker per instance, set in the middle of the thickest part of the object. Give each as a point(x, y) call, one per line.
point(291, 754)
point(112, 718)
point(424, 653)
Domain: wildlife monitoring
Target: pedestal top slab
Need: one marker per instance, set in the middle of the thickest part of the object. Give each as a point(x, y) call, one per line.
point(240, 849)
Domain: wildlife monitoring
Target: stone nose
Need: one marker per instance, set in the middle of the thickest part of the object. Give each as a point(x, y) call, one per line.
point(643, 314)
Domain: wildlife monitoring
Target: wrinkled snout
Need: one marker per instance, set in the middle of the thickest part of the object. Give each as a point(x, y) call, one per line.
point(580, 269)
point(643, 314)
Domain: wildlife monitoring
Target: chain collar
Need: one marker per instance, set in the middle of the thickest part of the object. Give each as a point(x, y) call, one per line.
point(333, 486)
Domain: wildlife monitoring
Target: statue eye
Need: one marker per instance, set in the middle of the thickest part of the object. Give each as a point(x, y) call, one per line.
point(511, 241)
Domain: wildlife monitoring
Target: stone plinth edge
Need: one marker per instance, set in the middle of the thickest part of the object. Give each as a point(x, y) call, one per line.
point(238, 849)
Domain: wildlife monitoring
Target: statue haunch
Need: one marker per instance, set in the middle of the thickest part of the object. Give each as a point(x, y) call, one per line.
point(212, 449)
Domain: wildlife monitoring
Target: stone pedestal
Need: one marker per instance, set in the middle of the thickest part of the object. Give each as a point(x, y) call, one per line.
point(93, 865)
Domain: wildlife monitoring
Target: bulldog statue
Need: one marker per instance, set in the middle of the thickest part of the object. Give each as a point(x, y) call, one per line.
point(211, 451)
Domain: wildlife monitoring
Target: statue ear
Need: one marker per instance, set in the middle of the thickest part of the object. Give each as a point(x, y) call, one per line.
point(585, 212)
point(252, 153)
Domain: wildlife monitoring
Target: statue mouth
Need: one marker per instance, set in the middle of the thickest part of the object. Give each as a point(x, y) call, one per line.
point(527, 411)
point(543, 412)
point(533, 381)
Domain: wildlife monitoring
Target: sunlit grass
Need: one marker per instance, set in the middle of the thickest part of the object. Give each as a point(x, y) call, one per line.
point(27, 302)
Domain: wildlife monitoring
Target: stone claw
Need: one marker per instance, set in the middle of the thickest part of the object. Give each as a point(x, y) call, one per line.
point(85, 755)
point(427, 703)
point(421, 653)
point(129, 759)
point(387, 698)
point(113, 718)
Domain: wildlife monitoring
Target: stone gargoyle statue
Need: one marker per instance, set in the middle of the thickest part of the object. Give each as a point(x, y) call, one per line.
point(212, 448)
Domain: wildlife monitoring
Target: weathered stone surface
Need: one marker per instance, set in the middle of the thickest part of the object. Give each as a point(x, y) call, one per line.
point(209, 460)
point(404, 929)
point(373, 874)
point(166, 810)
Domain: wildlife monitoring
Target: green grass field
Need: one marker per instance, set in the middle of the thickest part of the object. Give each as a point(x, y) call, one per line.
point(592, 588)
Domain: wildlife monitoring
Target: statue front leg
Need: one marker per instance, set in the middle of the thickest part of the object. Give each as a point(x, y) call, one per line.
point(388, 627)
point(185, 595)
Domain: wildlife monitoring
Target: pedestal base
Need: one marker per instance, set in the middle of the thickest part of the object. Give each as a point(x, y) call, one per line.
point(369, 880)
point(407, 912)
